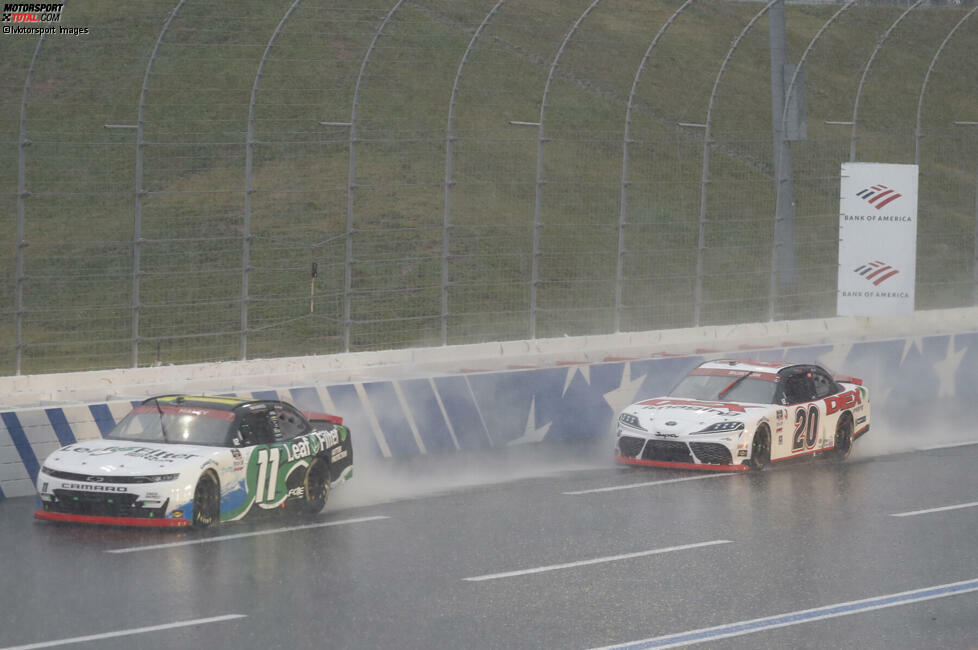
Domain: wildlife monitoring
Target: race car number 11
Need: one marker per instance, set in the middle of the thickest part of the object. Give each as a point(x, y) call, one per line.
point(267, 475)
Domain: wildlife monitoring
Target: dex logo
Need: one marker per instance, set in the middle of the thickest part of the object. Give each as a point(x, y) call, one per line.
point(878, 195)
point(877, 272)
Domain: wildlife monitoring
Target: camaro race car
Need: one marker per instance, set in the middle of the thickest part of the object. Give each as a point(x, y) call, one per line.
point(177, 460)
point(739, 415)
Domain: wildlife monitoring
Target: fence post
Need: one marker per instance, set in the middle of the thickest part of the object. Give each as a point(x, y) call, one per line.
point(623, 202)
point(249, 187)
point(705, 178)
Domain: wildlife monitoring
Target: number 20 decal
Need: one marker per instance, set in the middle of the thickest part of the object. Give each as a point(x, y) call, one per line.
point(806, 428)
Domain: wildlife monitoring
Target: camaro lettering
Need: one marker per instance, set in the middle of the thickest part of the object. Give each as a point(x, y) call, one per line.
point(846, 400)
point(93, 487)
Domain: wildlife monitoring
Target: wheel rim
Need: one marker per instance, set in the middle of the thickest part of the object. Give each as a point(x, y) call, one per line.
point(204, 499)
point(760, 453)
point(316, 487)
point(843, 438)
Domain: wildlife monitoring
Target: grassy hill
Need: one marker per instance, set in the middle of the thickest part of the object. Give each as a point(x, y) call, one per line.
point(197, 108)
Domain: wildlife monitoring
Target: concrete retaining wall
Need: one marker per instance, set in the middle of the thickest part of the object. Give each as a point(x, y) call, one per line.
point(409, 409)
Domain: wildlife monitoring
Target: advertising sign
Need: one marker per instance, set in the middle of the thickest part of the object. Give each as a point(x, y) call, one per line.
point(877, 239)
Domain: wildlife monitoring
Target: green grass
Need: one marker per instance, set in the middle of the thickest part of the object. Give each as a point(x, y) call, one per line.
point(81, 176)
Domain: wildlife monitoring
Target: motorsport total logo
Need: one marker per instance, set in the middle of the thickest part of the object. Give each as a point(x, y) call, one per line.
point(32, 13)
point(36, 19)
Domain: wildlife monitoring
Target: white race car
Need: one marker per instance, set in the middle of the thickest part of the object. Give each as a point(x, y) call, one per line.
point(180, 460)
point(738, 415)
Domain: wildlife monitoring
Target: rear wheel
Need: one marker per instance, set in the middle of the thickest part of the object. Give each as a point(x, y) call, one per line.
point(760, 449)
point(843, 438)
point(316, 486)
point(207, 501)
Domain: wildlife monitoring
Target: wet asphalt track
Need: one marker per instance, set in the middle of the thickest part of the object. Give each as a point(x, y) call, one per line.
point(393, 575)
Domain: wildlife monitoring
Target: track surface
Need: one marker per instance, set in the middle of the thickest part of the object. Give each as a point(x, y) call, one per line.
point(393, 575)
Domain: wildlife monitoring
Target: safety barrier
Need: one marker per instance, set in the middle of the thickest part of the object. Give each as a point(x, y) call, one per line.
point(912, 381)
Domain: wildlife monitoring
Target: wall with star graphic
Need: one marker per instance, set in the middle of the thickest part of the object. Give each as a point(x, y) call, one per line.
point(921, 388)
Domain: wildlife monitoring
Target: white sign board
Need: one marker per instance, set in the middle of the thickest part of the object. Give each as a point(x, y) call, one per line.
point(877, 239)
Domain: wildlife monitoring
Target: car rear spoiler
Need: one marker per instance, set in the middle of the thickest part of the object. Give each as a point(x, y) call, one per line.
point(335, 419)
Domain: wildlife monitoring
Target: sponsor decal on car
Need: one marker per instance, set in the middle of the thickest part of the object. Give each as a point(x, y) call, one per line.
point(94, 487)
point(134, 452)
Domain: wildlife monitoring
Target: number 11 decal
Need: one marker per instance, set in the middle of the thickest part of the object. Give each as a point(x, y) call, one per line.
point(806, 428)
point(268, 460)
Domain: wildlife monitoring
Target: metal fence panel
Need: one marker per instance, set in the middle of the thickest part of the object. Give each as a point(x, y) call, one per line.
point(201, 181)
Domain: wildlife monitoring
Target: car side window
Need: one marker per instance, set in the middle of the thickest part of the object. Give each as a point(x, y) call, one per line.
point(799, 388)
point(824, 386)
point(290, 422)
point(255, 429)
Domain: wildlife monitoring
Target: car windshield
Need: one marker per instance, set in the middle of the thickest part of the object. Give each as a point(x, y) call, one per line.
point(176, 425)
point(711, 387)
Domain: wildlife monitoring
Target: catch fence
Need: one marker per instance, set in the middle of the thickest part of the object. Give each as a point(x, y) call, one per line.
point(207, 181)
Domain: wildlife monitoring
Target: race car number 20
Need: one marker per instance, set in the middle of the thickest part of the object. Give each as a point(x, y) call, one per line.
point(806, 428)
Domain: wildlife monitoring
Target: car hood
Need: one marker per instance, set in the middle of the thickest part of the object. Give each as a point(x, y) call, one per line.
point(123, 458)
point(675, 415)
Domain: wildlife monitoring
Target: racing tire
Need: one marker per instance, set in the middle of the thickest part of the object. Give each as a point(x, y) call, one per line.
point(760, 449)
point(843, 439)
point(207, 501)
point(316, 487)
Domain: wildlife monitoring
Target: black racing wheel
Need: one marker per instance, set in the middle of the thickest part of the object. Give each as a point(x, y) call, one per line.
point(316, 486)
point(760, 449)
point(207, 501)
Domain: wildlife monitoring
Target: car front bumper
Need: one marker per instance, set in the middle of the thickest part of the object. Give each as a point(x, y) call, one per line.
point(679, 454)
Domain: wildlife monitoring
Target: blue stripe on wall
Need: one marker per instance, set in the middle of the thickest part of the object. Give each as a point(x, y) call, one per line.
point(21, 443)
point(1, 493)
point(60, 425)
point(463, 413)
point(347, 403)
point(393, 423)
point(103, 417)
point(265, 394)
point(432, 428)
point(307, 399)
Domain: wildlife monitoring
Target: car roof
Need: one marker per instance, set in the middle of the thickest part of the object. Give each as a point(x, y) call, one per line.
point(215, 402)
point(766, 367)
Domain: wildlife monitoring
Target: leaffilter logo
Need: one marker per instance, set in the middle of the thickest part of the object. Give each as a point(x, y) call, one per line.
point(877, 272)
point(878, 195)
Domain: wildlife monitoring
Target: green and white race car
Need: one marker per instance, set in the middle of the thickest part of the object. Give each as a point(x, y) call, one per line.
point(181, 460)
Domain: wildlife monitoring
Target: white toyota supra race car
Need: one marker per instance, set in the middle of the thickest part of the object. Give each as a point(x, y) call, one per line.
point(181, 460)
point(742, 415)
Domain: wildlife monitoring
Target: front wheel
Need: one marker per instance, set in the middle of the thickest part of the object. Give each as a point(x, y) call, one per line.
point(316, 486)
point(207, 501)
point(760, 449)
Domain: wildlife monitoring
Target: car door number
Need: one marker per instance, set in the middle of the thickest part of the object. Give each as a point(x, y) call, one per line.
point(268, 464)
point(806, 428)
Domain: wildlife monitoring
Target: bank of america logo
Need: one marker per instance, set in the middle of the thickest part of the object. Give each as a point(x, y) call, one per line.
point(878, 195)
point(877, 272)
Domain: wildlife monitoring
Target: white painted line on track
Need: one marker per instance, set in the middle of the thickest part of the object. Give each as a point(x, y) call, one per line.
point(632, 486)
point(224, 538)
point(941, 509)
point(805, 616)
point(950, 445)
point(135, 630)
point(598, 560)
